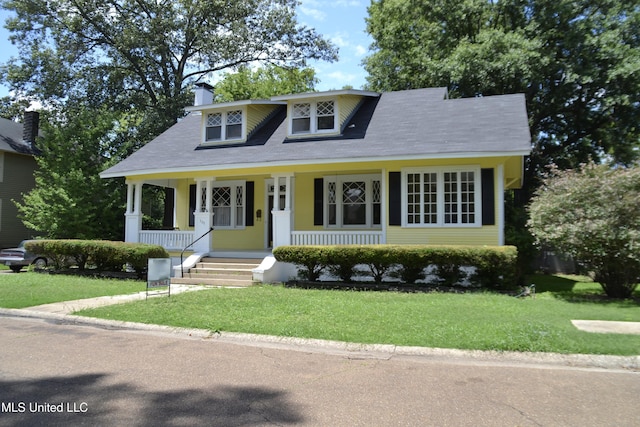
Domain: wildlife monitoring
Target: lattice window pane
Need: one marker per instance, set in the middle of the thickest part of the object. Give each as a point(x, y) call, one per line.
point(331, 202)
point(239, 207)
point(376, 192)
point(332, 193)
point(221, 201)
point(324, 108)
point(325, 115)
point(234, 117)
point(301, 110)
point(353, 192)
point(354, 208)
point(376, 201)
point(214, 119)
point(221, 196)
point(203, 199)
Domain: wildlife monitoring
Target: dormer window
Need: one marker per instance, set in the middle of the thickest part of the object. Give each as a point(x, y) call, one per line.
point(224, 126)
point(313, 117)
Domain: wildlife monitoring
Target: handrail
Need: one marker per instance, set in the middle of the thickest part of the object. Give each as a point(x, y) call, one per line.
point(187, 247)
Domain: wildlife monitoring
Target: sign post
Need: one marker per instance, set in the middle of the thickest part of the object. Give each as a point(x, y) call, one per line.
point(159, 275)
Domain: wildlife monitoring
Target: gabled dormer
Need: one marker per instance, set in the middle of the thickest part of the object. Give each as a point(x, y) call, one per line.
point(231, 123)
point(322, 114)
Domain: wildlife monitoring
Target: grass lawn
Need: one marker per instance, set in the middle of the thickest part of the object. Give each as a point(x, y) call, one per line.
point(28, 289)
point(482, 321)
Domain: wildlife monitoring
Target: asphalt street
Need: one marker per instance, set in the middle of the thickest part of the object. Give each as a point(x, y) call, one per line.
point(56, 373)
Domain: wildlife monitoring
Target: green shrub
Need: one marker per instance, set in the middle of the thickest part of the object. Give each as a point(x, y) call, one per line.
point(310, 260)
point(494, 267)
point(102, 255)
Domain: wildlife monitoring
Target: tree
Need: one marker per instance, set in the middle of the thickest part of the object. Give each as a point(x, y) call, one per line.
point(592, 214)
point(264, 83)
point(69, 199)
point(578, 62)
point(136, 60)
point(145, 54)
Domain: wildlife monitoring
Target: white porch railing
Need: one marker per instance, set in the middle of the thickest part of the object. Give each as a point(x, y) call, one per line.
point(336, 237)
point(171, 240)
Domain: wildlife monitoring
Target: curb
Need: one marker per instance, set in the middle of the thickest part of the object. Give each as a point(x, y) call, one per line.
point(355, 350)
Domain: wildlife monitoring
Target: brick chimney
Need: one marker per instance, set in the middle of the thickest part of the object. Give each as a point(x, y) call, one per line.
point(30, 127)
point(204, 94)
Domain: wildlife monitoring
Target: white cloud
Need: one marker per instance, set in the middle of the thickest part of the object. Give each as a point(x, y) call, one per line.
point(339, 39)
point(312, 9)
point(361, 50)
point(348, 3)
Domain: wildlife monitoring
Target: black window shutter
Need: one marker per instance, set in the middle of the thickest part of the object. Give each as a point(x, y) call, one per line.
point(248, 219)
point(192, 205)
point(318, 196)
point(395, 199)
point(488, 198)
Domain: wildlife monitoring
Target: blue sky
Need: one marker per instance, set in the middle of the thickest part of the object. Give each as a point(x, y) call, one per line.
point(341, 21)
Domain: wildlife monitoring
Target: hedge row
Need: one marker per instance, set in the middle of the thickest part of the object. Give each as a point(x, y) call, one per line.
point(101, 255)
point(493, 266)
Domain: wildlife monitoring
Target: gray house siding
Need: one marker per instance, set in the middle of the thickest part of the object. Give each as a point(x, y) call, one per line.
point(15, 180)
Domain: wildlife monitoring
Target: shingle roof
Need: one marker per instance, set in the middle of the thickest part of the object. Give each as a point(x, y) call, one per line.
point(417, 123)
point(11, 138)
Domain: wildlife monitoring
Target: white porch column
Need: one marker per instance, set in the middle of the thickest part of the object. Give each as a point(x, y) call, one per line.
point(500, 201)
point(133, 214)
point(282, 219)
point(203, 215)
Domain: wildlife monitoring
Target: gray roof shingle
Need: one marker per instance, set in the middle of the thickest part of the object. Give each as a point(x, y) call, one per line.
point(11, 138)
point(417, 123)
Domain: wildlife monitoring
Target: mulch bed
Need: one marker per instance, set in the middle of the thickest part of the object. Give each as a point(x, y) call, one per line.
point(381, 287)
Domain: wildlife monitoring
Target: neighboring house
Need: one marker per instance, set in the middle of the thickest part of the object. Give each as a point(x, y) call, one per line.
point(337, 167)
point(17, 165)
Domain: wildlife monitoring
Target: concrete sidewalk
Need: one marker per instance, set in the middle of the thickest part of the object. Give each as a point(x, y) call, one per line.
point(68, 307)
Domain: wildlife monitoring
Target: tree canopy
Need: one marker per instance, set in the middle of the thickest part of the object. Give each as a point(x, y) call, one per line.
point(578, 62)
point(264, 82)
point(592, 214)
point(70, 200)
point(145, 54)
point(113, 74)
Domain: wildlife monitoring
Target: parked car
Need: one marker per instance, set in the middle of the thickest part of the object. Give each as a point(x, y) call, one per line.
point(16, 258)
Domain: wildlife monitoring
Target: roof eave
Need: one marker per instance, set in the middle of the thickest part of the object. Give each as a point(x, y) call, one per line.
point(436, 156)
point(232, 104)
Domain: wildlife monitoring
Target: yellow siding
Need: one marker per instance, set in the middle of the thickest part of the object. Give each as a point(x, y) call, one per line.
point(487, 235)
point(256, 114)
point(254, 237)
point(303, 214)
point(250, 237)
point(182, 204)
point(346, 105)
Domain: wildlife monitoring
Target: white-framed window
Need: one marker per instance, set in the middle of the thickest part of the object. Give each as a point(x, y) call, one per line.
point(313, 117)
point(352, 201)
point(446, 197)
point(228, 204)
point(224, 126)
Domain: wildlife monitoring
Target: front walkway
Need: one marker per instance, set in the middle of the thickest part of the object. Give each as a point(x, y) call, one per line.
point(68, 307)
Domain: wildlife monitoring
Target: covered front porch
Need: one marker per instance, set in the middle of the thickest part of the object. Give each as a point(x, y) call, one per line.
point(226, 217)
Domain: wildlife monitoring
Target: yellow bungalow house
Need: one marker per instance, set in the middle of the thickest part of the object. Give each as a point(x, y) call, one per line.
point(336, 167)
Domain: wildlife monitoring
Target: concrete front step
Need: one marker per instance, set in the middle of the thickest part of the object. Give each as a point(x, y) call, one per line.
point(220, 272)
